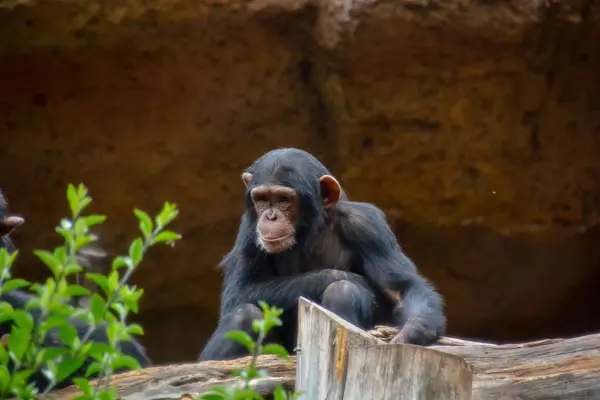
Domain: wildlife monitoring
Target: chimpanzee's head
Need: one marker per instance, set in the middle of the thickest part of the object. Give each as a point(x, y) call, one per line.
point(288, 192)
point(8, 223)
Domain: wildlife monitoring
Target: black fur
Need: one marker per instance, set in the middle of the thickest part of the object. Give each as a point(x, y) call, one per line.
point(345, 258)
point(18, 299)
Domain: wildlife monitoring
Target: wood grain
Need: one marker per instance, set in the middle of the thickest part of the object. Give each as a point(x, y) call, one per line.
point(405, 372)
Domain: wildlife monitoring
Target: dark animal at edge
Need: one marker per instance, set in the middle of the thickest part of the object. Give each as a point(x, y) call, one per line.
point(301, 236)
point(19, 298)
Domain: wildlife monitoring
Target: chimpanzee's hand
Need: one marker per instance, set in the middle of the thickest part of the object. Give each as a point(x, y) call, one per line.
point(416, 331)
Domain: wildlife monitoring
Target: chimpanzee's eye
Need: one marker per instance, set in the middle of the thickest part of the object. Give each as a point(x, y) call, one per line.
point(283, 199)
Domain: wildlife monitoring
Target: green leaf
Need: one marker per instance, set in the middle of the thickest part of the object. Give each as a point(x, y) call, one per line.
point(18, 341)
point(77, 290)
point(23, 320)
point(242, 338)
point(275, 349)
point(84, 385)
point(112, 331)
point(3, 355)
point(110, 394)
point(125, 362)
point(94, 219)
point(14, 284)
point(128, 262)
point(211, 396)
point(279, 394)
point(67, 367)
point(297, 395)
point(168, 213)
point(113, 281)
point(272, 322)
point(135, 329)
point(67, 334)
point(263, 306)
point(83, 203)
point(84, 241)
point(258, 325)
point(48, 259)
point(73, 199)
point(72, 269)
point(60, 253)
point(247, 394)
point(100, 280)
point(66, 234)
point(130, 298)
point(4, 376)
point(3, 258)
point(145, 222)
point(120, 310)
point(51, 354)
point(97, 305)
point(53, 321)
point(20, 378)
point(166, 236)
point(97, 350)
point(136, 250)
point(118, 262)
point(93, 369)
point(80, 228)
point(110, 318)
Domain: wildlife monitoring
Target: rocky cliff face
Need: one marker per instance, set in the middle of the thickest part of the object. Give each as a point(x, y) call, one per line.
point(474, 125)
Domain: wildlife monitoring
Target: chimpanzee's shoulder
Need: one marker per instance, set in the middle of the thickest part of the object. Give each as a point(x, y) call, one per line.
point(359, 210)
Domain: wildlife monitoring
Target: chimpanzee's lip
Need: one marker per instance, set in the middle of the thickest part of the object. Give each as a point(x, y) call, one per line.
point(276, 240)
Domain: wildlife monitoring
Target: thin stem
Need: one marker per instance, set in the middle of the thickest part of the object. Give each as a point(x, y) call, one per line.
point(255, 353)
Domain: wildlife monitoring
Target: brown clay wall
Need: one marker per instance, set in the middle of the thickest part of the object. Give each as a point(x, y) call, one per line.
point(475, 126)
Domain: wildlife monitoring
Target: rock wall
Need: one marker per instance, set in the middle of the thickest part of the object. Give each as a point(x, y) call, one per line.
point(474, 125)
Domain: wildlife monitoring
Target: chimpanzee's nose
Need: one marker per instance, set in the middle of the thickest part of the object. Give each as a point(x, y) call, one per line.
point(271, 215)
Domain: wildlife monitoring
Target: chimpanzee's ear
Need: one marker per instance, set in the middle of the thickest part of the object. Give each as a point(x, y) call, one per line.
point(247, 178)
point(331, 191)
point(8, 224)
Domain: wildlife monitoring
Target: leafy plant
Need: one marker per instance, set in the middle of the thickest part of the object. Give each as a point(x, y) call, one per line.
point(22, 353)
point(244, 391)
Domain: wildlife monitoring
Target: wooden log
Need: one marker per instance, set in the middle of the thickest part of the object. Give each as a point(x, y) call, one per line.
point(338, 361)
point(171, 382)
point(545, 369)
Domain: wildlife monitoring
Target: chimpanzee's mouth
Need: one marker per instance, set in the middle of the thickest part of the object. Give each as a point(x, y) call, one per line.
point(275, 240)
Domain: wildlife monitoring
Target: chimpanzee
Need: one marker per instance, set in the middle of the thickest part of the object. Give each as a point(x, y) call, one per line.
point(301, 236)
point(18, 299)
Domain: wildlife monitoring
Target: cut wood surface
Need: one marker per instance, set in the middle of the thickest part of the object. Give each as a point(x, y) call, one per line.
point(343, 362)
point(545, 369)
point(323, 358)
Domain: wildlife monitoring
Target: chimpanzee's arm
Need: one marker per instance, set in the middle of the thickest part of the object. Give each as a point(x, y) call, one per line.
point(366, 231)
point(243, 284)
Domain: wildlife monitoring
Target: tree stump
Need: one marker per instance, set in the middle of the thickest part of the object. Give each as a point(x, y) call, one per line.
point(338, 361)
